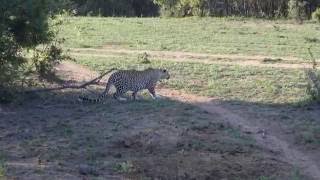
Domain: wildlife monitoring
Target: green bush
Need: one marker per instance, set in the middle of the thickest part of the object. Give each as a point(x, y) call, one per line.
point(11, 62)
point(24, 25)
point(316, 15)
point(296, 10)
point(180, 8)
point(45, 59)
point(168, 7)
point(10, 59)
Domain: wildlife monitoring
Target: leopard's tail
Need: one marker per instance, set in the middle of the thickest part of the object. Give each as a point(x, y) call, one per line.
point(100, 98)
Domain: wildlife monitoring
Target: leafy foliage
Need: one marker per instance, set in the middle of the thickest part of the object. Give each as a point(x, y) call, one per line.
point(24, 25)
point(316, 15)
point(255, 8)
point(44, 60)
point(183, 7)
point(27, 21)
point(10, 58)
point(296, 10)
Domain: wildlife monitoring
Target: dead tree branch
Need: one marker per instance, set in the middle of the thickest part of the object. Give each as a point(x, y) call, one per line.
point(81, 86)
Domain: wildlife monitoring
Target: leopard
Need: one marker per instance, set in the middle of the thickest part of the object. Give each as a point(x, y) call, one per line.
point(131, 80)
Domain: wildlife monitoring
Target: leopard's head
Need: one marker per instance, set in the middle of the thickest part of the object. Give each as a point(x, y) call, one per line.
point(163, 74)
point(159, 73)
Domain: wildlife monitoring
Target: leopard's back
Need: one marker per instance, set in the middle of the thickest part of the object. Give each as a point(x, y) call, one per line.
point(132, 80)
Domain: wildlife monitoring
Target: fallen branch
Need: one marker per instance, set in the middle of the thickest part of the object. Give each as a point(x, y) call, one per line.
point(81, 86)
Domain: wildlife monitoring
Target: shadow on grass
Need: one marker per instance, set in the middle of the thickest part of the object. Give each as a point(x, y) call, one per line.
point(52, 135)
point(300, 120)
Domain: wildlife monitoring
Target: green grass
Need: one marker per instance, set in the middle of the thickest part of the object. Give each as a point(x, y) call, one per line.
point(2, 167)
point(249, 84)
point(207, 35)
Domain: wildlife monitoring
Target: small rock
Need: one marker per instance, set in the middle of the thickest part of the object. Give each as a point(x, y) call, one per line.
point(263, 133)
point(85, 169)
point(127, 143)
point(118, 155)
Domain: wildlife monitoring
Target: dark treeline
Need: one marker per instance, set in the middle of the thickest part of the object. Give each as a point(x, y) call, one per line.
point(180, 8)
point(247, 8)
point(257, 8)
point(114, 7)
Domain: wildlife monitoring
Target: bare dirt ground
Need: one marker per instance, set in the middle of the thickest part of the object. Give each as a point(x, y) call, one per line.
point(241, 60)
point(182, 136)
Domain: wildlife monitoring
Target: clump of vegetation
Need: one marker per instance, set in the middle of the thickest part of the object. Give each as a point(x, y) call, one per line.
point(181, 8)
point(45, 59)
point(2, 168)
point(272, 60)
point(2, 172)
point(144, 58)
point(124, 167)
point(10, 63)
point(296, 10)
point(312, 40)
point(313, 75)
point(316, 15)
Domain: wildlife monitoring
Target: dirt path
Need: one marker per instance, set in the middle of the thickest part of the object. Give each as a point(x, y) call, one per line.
point(241, 60)
point(264, 136)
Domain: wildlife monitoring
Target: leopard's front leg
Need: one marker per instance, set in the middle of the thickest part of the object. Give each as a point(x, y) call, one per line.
point(153, 93)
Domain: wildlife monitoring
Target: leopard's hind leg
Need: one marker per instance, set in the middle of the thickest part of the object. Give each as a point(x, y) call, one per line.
point(118, 95)
point(135, 95)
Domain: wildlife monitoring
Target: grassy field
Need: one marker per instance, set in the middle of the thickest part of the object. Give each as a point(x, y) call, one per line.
point(206, 35)
point(250, 84)
point(277, 88)
point(51, 136)
point(272, 96)
point(260, 90)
